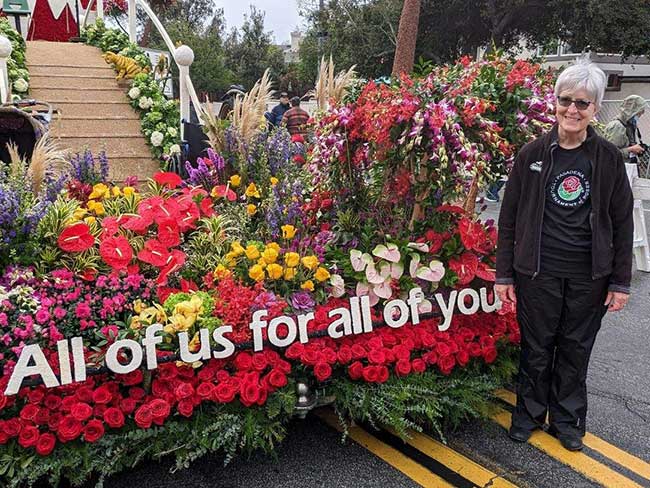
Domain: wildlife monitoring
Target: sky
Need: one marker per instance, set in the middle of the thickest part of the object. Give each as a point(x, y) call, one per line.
point(281, 15)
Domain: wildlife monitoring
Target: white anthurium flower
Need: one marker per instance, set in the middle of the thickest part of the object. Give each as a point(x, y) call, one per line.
point(175, 149)
point(414, 265)
point(373, 276)
point(364, 289)
point(418, 246)
point(134, 93)
point(425, 306)
point(391, 270)
point(338, 286)
point(156, 138)
point(383, 290)
point(389, 252)
point(359, 260)
point(433, 273)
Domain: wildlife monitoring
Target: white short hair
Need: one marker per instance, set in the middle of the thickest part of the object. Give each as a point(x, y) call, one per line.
point(583, 75)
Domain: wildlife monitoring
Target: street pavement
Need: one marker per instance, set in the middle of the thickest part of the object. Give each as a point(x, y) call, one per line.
point(619, 414)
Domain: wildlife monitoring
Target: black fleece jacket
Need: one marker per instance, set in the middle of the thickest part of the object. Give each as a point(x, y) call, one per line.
point(522, 211)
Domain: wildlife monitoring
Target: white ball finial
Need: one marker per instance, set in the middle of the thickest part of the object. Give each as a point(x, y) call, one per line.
point(5, 47)
point(184, 55)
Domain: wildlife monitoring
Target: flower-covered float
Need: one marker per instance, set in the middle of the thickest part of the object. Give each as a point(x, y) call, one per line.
point(188, 316)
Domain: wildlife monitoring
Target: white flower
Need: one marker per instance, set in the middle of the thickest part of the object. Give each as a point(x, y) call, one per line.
point(20, 85)
point(172, 131)
point(156, 138)
point(134, 93)
point(174, 149)
point(145, 102)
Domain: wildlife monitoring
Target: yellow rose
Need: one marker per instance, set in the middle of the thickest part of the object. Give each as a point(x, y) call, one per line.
point(251, 209)
point(128, 191)
point(116, 192)
point(274, 181)
point(262, 263)
point(90, 220)
point(292, 259)
point(252, 191)
point(288, 231)
point(100, 190)
point(308, 285)
point(274, 271)
point(256, 273)
point(289, 273)
point(310, 262)
point(252, 252)
point(270, 255)
point(235, 181)
point(274, 245)
point(322, 274)
point(236, 248)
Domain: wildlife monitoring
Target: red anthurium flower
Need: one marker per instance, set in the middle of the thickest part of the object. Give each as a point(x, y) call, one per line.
point(488, 242)
point(451, 209)
point(138, 223)
point(207, 207)
point(223, 191)
point(76, 238)
point(188, 285)
point(88, 274)
point(168, 179)
point(465, 267)
point(486, 273)
point(110, 226)
point(188, 217)
point(168, 233)
point(174, 263)
point(154, 253)
point(116, 252)
point(297, 138)
point(159, 208)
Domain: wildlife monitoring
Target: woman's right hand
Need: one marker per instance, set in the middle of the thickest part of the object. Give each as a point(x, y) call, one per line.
point(506, 293)
point(636, 149)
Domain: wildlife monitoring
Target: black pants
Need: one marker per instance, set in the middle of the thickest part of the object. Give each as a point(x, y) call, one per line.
point(559, 319)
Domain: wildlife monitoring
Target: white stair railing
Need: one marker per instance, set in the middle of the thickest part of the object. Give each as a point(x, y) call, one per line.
point(641, 192)
point(5, 52)
point(100, 12)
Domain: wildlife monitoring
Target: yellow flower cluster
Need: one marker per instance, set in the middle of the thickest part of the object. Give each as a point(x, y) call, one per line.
point(102, 192)
point(185, 315)
point(147, 315)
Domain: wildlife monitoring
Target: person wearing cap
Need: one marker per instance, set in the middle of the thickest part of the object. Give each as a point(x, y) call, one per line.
point(623, 131)
point(278, 111)
point(295, 119)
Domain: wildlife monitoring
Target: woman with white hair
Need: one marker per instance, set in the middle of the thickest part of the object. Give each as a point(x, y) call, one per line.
point(564, 256)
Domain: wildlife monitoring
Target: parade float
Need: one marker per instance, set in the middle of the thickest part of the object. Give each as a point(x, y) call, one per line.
point(187, 316)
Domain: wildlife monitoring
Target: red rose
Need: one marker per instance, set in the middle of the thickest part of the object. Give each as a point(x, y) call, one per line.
point(83, 394)
point(294, 351)
point(45, 444)
point(401, 353)
point(358, 351)
point(370, 374)
point(28, 412)
point(474, 349)
point(431, 357)
point(419, 366)
point(249, 393)
point(446, 364)
point(382, 374)
point(183, 390)
point(69, 428)
point(52, 402)
point(204, 390)
point(132, 379)
point(102, 395)
point(224, 393)
point(206, 374)
point(127, 405)
point(160, 410)
point(42, 416)
point(309, 356)
point(114, 417)
point(322, 371)
point(35, 396)
point(344, 355)
point(403, 368)
point(489, 354)
point(137, 393)
point(143, 417)
point(81, 411)
point(259, 361)
point(185, 407)
point(243, 361)
point(93, 431)
point(12, 427)
point(277, 379)
point(377, 356)
point(462, 357)
point(76, 238)
point(28, 436)
point(355, 370)
point(54, 420)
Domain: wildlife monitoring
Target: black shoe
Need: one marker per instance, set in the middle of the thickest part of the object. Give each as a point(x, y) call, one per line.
point(518, 434)
point(571, 443)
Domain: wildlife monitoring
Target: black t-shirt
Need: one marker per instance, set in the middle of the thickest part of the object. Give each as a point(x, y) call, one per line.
point(566, 229)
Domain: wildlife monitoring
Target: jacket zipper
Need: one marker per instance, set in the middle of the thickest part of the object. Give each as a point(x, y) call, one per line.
point(541, 221)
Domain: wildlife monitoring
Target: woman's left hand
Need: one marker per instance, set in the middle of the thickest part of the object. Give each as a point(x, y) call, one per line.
point(616, 301)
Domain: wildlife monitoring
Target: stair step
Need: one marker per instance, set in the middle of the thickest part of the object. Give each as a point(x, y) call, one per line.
point(100, 95)
point(86, 127)
point(121, 168)
point(44, 82)
point(69, 109)
point(50, 70)
point(114, 146)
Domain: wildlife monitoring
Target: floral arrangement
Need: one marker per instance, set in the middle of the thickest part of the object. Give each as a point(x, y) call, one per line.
point(17, 63)
point(160, 116)
point(263, 226)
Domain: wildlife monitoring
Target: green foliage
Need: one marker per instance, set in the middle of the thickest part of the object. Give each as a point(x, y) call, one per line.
point(207, 303)
point(207, 246)
point(17, 62)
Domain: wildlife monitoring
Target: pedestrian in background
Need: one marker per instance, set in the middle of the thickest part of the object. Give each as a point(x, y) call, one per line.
point(564, 256)
point(624, 132)
point(279, 110)
point(295, 119)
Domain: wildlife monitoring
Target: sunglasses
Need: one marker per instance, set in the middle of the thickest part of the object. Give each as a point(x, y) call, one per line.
point(580, 104)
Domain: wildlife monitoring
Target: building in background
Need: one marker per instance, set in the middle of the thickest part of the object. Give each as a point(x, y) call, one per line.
point(291, 51)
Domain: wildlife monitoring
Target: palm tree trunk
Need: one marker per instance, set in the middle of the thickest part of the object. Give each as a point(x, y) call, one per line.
point(407, 37)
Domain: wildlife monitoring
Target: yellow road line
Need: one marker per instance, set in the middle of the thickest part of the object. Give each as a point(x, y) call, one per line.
point(410, 468)
point(620, 457)
point(455, 461)
point(578, 461)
